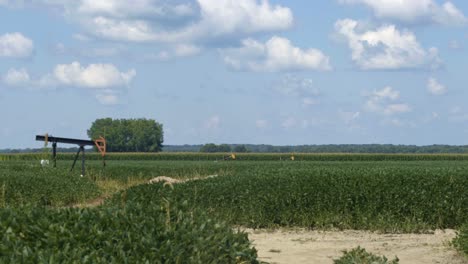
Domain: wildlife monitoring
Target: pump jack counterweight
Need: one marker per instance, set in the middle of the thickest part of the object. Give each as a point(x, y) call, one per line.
point(99, 143)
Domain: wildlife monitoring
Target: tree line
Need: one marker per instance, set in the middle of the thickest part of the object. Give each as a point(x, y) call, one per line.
point(341, 148)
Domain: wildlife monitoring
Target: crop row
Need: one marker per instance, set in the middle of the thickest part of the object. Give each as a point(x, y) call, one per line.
point(244, 157)
point(354, 197)
point(24, 184)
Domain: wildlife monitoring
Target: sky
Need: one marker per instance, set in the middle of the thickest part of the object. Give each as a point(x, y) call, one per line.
point(237, 71)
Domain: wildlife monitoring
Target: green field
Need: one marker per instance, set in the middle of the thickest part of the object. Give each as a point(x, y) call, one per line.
point(386, 193)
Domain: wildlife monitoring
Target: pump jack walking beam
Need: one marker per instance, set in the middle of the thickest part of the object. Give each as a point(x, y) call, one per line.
point(99, 143)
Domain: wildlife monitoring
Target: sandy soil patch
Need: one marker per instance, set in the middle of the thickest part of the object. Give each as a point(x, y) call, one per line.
point(303, 246)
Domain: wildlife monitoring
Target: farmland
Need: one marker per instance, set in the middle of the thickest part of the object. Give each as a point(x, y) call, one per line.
point(384, 193)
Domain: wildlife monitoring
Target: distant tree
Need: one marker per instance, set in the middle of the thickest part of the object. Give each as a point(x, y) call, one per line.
point(129, 135)
point(212, 148)
point(224, 148)
point(241, 149)
point(209, 148)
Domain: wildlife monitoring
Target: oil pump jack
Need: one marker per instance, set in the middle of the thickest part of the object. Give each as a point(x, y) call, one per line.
point(99, 143)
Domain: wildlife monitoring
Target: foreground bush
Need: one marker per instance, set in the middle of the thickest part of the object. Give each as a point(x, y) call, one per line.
point(158, 231)
point(461, 241)
point(361, 256)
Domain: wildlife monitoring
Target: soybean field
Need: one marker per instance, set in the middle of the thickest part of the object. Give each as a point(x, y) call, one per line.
point(52, 214)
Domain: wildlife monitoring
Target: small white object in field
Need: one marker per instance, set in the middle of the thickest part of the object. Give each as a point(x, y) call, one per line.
point(44, 162)
point(81, 175)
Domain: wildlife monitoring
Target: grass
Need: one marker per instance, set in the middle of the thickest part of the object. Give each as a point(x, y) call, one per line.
point(361, 256)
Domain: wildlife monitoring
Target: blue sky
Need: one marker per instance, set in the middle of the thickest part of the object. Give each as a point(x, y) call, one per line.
point(237, 71)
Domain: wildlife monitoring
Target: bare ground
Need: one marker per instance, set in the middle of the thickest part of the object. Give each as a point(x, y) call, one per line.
point(304, 246)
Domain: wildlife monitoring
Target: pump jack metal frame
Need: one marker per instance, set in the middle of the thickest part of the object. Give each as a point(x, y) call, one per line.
point(99, 143)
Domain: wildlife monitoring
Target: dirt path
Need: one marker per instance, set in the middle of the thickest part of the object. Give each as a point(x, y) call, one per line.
point(302, 246)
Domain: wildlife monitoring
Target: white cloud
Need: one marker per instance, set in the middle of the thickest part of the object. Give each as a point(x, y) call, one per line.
point(16, 77)
point(15, 45)
point(386, 48)
point(392, 109)
point(289, 122)
point(293, 85)
point(277, 54)
point(381, 102)
point(104, 79)
point(127, 30)
point(247, 16)
point(455, 45)
point(107, 99)
point(387, 93)
point(303, 88)
point(92, 76)
point(130, 9)
point(261, 123)
point(435, 88)
point(306, 101)
point(414, 11)
point(349, 117)
point(81, 37)
point(213, 122)
point(186, 50)
point(173, 21)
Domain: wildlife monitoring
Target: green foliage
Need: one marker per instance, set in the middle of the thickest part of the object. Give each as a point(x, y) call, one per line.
point(28, 184)
point(240, 149)
point(461, 241)
point(124, 135)
point(345, 148)
point(361, 256)
point(160, 230)
point(386, 196)
point(213, 148)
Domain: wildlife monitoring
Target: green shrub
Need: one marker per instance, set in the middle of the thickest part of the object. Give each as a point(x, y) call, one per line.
point(461, 241)
point(361, 256)
point(158, 231)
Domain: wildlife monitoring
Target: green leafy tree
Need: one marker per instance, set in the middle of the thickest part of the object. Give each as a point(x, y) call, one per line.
point(129, 135)
point(241, 149)
point(212, 148)
point(224, 148)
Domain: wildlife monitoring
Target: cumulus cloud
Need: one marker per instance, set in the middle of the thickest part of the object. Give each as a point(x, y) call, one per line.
point(172, 21)
point(248, 16)
point(383, 102)
point(15, 45)
point(277, 54)
point(131, 9)
point(92, 76)
point(386, 48)
point(104, 80)
point(435, 88)
point(414, 11)
point(295, 86)
point(16, 77)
